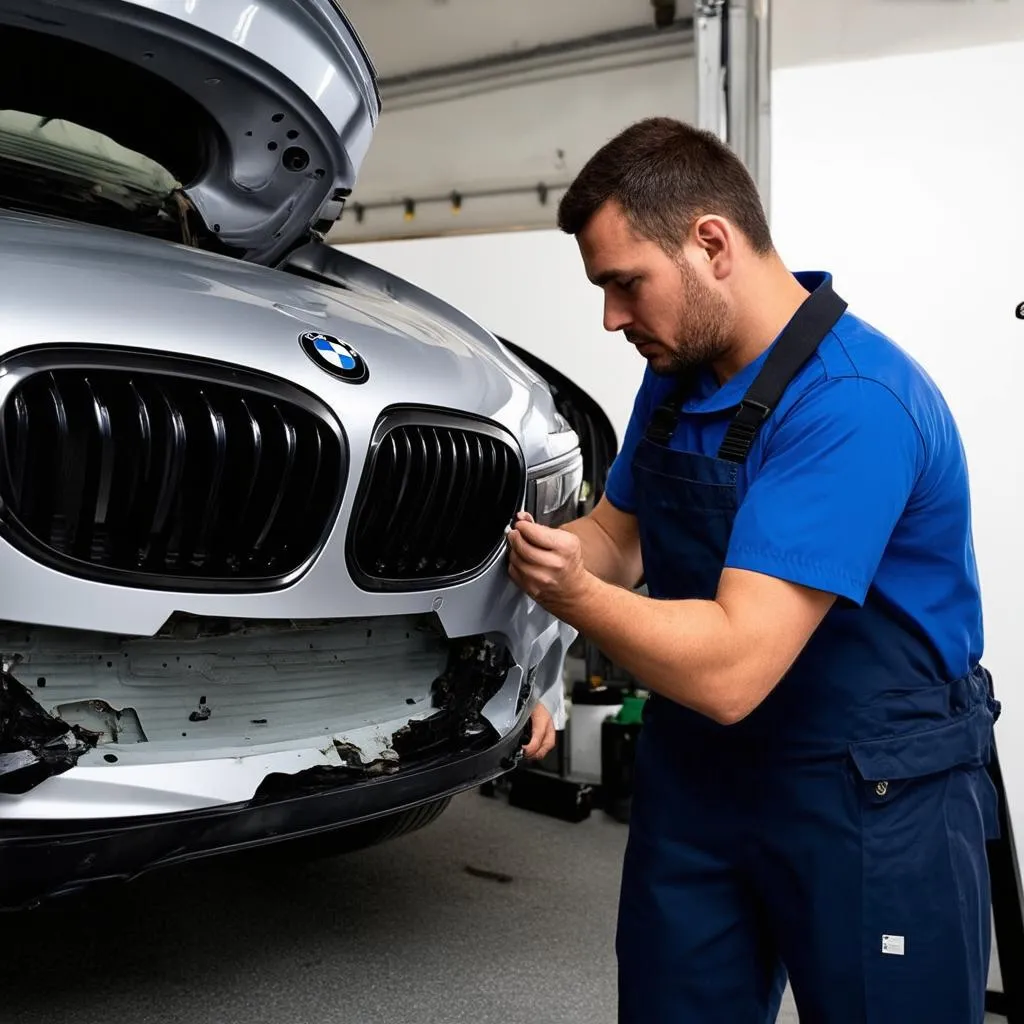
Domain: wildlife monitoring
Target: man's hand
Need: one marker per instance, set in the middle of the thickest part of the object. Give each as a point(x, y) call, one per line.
point(542, 735)
point(547, 564)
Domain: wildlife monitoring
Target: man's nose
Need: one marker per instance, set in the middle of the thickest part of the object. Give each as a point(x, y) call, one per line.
point(616, 316)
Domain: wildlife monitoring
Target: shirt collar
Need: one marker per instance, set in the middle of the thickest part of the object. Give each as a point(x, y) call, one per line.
point(712, 397)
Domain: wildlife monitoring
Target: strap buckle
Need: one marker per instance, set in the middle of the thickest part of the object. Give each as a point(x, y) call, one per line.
point(761, 411)
point(739, 437)
point(663, 424)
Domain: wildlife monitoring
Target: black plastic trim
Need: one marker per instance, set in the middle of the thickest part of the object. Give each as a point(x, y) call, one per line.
point(20, 364)
point(429, 416)
point(42, 860)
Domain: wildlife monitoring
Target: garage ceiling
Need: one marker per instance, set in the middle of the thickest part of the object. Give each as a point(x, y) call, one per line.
point(491, 106)
point(405, 36)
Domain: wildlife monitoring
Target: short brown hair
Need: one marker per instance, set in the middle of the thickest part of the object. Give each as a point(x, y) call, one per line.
point(665, 174)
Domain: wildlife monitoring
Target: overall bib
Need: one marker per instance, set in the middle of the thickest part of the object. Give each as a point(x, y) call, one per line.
point(837, 834)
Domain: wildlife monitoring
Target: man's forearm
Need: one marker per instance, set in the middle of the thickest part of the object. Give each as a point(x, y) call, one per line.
point(720, 657)
point(684, 650)
point(601, 556)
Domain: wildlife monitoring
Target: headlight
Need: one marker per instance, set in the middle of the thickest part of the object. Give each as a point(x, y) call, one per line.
point(553, 490)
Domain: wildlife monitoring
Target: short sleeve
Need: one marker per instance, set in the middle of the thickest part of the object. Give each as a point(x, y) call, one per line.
point(836, 477)
point(619, 485)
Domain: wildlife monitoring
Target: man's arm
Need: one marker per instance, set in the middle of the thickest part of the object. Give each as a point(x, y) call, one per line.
point(836, 478)
point(720, 657)
point(611, 544)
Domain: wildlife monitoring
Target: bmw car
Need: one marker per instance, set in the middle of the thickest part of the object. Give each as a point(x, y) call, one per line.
point(253, 490)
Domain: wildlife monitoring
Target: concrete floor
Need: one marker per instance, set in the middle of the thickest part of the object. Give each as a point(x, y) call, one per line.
point(400, 934)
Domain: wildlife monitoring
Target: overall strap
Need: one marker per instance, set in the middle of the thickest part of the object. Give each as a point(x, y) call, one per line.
point(665, 418)
point(798, 341)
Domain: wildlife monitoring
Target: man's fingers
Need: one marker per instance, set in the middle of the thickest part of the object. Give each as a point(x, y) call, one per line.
point(547, 743)
point(541, 743)
point(545, 537)
point(528, 554)
point(542, 737)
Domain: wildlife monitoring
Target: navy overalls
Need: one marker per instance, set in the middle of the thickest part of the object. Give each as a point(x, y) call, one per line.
point(837, 833)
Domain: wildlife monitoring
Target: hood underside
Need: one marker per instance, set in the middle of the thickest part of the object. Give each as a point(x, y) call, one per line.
point(235, 126)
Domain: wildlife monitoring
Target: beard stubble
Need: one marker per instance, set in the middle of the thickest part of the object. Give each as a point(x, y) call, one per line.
point(702, 332)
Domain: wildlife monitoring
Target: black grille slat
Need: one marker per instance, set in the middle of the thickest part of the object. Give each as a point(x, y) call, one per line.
point(218, 440)
point(484, 480)
point(430, 453)
point(138, 447)
point(16, 455)
point(286, 442)
point(434, 502)
point(403, 467)
point(169, 526)
point(254, 437)
point(163, 479)
point(442, 525)
point(464, 457)
point(70, 483)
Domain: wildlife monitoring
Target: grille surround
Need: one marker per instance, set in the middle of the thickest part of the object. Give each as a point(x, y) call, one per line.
point(429, 418)
point(248, 393)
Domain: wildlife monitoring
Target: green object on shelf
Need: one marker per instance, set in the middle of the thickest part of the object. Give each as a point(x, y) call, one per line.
point(631, 711)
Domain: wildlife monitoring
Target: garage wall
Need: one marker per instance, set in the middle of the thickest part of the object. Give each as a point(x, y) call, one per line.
point(488, 96)
point(924, 239)
point(515, 138)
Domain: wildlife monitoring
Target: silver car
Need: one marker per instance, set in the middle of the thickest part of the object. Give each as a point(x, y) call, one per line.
point(253, 491)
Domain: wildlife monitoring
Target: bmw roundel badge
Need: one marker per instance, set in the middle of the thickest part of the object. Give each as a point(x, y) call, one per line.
point(336, 357)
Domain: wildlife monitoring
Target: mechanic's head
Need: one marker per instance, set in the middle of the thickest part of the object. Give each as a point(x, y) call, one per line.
point(669, 222)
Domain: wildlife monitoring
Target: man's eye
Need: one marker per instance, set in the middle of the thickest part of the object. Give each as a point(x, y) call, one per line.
point(629, 284)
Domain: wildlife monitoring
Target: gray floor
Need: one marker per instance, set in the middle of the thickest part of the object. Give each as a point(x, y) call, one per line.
point(401, 934)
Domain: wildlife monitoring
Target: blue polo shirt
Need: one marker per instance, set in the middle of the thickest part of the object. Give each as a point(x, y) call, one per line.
point(856, 482)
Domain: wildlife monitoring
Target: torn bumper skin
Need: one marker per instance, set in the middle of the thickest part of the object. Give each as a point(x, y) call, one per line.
point(34, 745)
point(95, 790)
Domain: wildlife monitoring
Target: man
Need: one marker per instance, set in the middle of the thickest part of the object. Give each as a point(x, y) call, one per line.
point(810, 793)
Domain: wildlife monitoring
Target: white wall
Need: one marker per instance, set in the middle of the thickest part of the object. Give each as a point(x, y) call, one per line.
point(902, 175)
point(836, 31)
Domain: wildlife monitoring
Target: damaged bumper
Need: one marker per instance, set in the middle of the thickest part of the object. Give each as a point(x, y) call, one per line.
point(305, 730)
point(44, 859)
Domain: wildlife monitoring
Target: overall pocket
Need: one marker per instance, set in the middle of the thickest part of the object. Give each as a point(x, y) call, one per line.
point(927, 808)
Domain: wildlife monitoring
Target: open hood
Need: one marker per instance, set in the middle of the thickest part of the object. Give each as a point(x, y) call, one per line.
point(236, 125)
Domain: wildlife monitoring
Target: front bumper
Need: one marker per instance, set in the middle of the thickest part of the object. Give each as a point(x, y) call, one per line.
point(42, 860)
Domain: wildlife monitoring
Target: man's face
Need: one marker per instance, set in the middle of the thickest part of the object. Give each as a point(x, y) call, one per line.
point(659, 302)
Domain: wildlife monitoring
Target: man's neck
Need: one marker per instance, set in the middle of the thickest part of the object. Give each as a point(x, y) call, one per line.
point(765, 306)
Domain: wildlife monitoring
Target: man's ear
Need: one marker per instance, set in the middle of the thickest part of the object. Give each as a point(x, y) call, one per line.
point(713, 234)
point(716, 239)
